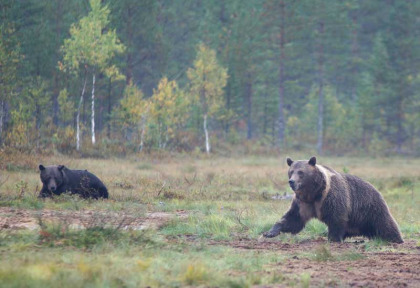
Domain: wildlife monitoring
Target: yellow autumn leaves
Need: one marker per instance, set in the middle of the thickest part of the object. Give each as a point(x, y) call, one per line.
point(158, 118)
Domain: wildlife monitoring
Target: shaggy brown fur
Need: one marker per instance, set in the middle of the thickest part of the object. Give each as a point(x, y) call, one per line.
point(348, 205)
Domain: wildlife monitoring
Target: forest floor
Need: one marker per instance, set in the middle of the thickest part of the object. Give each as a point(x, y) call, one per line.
point(197, 223)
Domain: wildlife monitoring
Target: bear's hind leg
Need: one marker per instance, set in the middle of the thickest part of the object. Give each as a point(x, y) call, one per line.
point(103, 192)
point(388, 230)
point(336, 233)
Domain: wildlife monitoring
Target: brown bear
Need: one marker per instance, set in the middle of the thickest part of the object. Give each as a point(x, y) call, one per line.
point(348, 205)
point(59, 179)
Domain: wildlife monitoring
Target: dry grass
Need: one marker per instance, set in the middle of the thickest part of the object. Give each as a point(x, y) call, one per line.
point(225, 199)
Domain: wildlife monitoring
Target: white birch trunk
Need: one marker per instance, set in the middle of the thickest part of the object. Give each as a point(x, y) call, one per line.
point(1, 119)
point(207, 135)
point(93, 110)
point(143, 130)
point(78, 117)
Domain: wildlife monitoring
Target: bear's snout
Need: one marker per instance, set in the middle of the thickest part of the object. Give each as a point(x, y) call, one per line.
point(52, 185)
point(292, 184)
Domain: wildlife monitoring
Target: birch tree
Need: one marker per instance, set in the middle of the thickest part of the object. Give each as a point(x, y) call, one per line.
point(91, 47)
point(207, 80)
point(132, 113)
point(168, 110)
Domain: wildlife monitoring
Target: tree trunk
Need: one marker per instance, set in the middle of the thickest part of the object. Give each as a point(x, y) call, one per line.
point(93, 109)
point(400, 129)
point(249, 106)
point(320, 129)
point(129, 59)
point(78, 115)
point(1, 120)
point(228, 104)
point(143, 130)
point(265, 118)
point(58, 23)
point(206, 134)
point(109, 108)
point(355, 54)
point(281, 123)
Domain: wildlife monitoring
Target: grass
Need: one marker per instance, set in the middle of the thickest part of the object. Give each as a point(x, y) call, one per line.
point(225, 200)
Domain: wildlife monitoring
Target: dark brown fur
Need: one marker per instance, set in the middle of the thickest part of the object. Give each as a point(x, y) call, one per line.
point(348, 205)
point(59, 179)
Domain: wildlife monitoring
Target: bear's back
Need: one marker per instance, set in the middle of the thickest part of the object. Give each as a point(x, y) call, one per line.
point(367, 204)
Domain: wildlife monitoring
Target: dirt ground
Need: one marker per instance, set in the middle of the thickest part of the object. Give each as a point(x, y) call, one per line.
point(375, 269)
point(14, 219)
point(399, 266)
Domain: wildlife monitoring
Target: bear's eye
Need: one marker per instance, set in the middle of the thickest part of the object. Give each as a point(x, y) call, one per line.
point(300, 173)
point(291, 172)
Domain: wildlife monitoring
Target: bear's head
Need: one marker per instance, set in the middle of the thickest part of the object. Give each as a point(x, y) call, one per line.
point(306, 180)
point(52, 176)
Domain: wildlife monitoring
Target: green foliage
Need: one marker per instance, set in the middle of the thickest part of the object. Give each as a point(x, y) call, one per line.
point(195, 274)
point(168, 112)
point(132, 113)
point(207, 80)
point(89, 44)
point(67, 109)
point(9, 60)
point(29, 115)
point(250, 54)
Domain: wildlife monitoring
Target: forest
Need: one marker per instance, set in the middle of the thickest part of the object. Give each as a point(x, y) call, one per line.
point(185, 110)
point(116, 77)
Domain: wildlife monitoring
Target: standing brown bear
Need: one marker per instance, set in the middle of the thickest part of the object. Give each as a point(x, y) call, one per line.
point(348, 205)
point(59, 179)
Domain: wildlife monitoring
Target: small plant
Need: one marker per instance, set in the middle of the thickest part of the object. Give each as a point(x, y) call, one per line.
point(144, 264)
point(316, 228)
point(145, 166)
point(351, 256)
point(323, 253)
point(123, 184)
point(305, 280)
point(189, 169)
point(194, 274)
point(216, 226)
point(375, 244)
point(21, 187)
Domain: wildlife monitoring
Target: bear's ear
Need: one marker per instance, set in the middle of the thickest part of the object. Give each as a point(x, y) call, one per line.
point(312, 161)
point(60, 167)
point(289, 161)
point(41, 167)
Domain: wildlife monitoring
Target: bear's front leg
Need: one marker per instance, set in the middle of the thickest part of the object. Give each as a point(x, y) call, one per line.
point(336, 233)
point(291, 222)
point(44, 192)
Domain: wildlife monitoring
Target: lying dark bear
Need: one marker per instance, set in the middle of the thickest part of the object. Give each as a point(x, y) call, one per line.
point(59, 179)
point(348, 205)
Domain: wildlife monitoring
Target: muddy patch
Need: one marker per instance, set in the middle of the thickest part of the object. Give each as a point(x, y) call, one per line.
point(14, 219)
point(376, 270)
point(357, 244)
point(369, 269)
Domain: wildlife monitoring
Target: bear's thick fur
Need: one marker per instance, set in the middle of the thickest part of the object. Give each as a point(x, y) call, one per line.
point(59, 179)
point(348, 205)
